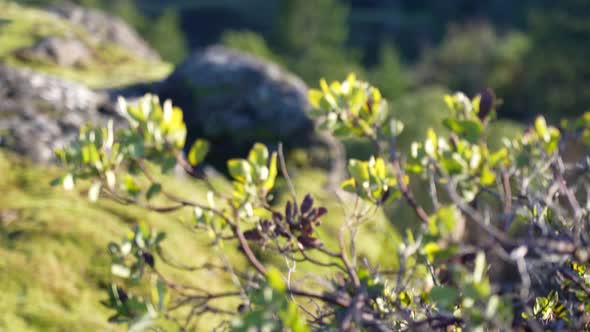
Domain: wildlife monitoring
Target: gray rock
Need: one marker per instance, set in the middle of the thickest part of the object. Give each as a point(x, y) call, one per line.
point(105, 28)
point(65, 52)
point(234, 99)
point(39, 113)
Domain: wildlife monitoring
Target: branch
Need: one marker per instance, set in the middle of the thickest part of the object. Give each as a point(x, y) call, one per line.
point(407, 193)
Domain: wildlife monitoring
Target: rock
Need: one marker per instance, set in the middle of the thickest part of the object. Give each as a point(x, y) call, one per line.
point(105, 28)
point(66, 52)
point(39, 113)
point(235, 99)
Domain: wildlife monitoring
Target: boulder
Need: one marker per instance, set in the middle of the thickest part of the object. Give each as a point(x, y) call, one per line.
point(39, 113)
point(235, 99)
point(105, 28)
point(65, 52)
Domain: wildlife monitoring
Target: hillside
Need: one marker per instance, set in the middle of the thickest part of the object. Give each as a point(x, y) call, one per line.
point(103, 64)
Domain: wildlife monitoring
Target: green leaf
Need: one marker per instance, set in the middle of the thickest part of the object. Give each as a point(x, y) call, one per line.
point(453, 165)
point(498, 157)
point(541, 128)
point(160, 295)
point(431, 144)
point(366, 127)
point(130, 186)
point(94, 156)
point(269, 183)
point(414, 167)
point(430, 249)
point(134, 145)
point(452, 125)
point(450, 101)
point(144, 229)
point(487, 177)
point(240, 170)
point(477, 290)
point(342, 131)
point(348, 185)
point(153, 190)
point(470, 130)
point(315, 96)
point(357, 99)
point(275, 279)
point(359, 170)
point(405, 298)
point(198, 152)
point(444, 221)
point(378, 168)
point(292, 320)
point(258, 155)
point(444, 296)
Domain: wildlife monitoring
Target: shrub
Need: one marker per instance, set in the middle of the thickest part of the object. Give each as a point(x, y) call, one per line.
point(502, 243)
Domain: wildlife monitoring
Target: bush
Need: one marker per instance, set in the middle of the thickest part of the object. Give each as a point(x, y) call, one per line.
point(502, 244)
point(557, 71)
point(249, 42)
point(475, 56)
point(321, 50)
point(167, 37)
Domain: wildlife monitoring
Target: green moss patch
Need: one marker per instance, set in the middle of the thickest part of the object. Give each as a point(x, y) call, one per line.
point(110, 66)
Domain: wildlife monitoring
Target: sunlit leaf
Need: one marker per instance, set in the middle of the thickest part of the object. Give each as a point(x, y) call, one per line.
point(198, 152)
point(240, 170)
point(94, 191)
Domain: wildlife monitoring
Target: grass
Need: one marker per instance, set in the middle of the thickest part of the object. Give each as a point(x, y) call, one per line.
point(110, 66)
point(53, 258)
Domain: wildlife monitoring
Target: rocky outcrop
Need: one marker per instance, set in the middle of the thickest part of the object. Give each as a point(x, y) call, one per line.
point(234, 99)
point(39, 113)
point(105, 29)
point(65, 52)
point(229, 98)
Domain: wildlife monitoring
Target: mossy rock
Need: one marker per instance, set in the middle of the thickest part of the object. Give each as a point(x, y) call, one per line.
point(235, 99)
point(110, 65)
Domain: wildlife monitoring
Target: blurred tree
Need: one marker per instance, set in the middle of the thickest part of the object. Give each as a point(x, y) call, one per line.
point(249, 42)
point(166, 36)
point(475, 56)
point(389, 73)
point(125, 9)
point(301, 25)
point(312, 36)
point(558, 71)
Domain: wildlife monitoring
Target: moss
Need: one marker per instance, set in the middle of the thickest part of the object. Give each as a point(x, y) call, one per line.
point(110, 66)
point(53, 259)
